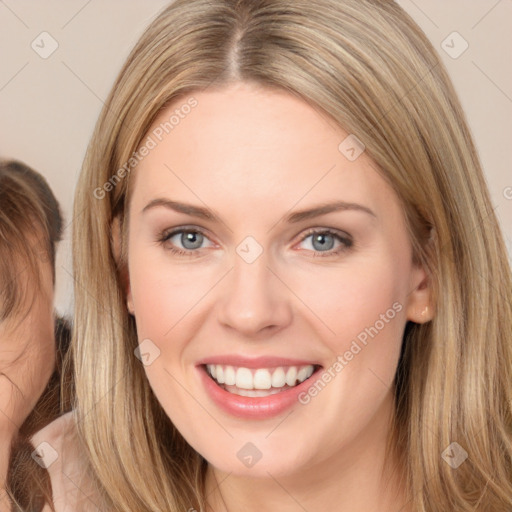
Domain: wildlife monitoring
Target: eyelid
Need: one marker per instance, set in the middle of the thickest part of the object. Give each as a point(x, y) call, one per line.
point(166, 234)
point(331, 231)
point(345, 239)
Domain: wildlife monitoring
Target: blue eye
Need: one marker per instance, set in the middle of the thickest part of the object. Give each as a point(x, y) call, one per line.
point(324, 241)
point(191, 239)
point(188, 242)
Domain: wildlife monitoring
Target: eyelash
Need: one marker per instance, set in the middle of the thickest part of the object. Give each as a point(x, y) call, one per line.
point(346, 241)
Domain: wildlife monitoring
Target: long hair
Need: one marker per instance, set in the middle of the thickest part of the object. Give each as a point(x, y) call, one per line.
point(28, 484)
point(31, 225)
point(369, 67)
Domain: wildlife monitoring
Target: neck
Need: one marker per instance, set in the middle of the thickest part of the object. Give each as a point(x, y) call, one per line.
point(362, 478)
point(5, 448)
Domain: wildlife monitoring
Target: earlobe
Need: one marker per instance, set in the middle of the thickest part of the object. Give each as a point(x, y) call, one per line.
point(129, 301)
point(419, 306)
point(116, 245)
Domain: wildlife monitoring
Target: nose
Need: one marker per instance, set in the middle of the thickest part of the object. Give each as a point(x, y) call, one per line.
point(253, 301)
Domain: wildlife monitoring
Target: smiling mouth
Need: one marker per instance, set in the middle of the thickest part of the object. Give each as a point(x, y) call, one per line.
point(259, 382)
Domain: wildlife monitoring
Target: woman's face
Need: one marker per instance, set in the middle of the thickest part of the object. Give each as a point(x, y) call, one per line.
point(262, 247)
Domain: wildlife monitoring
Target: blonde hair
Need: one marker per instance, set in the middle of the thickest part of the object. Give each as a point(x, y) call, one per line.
point(369, 67)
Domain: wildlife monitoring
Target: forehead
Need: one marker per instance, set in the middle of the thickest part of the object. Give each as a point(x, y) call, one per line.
point(244, 147)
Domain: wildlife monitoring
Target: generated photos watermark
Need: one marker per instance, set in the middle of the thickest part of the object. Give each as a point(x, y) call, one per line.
point(152, 140)
point(343, 360)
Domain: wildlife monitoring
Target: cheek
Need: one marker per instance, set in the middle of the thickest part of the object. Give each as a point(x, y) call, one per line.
point(38, 370)
point(29, 349)
point(39, 364)
point(28, 373)
point(166, 296)
point(355, 299)
point(360, 309)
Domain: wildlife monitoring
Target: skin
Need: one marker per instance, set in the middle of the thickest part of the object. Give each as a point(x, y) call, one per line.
point(27, 356)
point(253, 155)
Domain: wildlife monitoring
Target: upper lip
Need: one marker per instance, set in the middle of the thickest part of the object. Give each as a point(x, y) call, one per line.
point(255, 362)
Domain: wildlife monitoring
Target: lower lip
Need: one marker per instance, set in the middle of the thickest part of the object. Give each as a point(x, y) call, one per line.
point(253, 407)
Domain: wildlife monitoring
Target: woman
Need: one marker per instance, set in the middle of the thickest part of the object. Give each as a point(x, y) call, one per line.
point(292, 289)
point(30, 227)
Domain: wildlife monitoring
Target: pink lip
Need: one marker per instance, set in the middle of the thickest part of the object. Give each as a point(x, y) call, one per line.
point(256, 408)
point(256, 362)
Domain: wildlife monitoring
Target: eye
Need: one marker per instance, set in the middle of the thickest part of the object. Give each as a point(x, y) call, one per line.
point(327, 242)
point(188, 242)
point(183, 241)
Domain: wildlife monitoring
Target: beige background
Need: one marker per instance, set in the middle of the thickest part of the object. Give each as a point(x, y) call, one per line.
point(49, 105)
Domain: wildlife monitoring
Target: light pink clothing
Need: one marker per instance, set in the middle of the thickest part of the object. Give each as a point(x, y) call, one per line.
point(59, 451)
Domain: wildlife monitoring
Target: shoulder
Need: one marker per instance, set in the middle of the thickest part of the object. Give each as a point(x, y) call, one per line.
point(59, 451)
point(56, 432)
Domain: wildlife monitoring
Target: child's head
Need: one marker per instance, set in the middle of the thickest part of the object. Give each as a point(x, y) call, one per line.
point(30, 227)
point(337, 100)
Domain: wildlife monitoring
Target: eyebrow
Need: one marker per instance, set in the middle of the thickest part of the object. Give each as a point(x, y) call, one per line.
point(207, 214)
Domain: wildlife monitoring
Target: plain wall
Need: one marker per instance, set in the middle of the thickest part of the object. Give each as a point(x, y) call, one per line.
point(49, 105)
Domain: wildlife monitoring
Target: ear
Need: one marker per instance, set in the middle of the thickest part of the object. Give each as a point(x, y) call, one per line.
point(420, 307)
point(116, 244)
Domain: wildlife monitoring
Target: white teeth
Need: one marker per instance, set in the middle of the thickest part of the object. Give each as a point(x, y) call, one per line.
point(230, 376)
point(220, 374)
point(263, 380)
point(212, 369)
point(304, 373)
point(278, 378)
point(255, 392)
point(244, 378)
point(291, 376)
